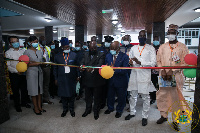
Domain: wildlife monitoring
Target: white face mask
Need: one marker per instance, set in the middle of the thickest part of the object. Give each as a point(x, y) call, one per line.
point(171, 37)
point(126, 42)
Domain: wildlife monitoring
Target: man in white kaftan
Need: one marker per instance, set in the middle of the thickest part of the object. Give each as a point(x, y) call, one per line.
point(142, 55)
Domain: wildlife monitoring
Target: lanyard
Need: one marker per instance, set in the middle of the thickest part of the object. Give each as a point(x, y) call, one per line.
point(172, 48)
point(65, 58)
point(141, 50)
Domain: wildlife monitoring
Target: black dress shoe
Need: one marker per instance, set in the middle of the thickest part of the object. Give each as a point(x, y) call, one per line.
point(175, 125)
point(43, 110)
point(37, 113)
point(128, 117)
point(72, 113)
point(108, 111)
point(96, 116)
point(26, 105)
point(117, 115)
point(86, 113)
point(144, 121)
point(102, 106)
point(60, 101)
point(152, 101)
point(64, 113)
point(18, 109)
point(161, 120)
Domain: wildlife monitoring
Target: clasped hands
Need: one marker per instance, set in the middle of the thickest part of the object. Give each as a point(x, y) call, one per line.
point(134, 59)
point(167, 75)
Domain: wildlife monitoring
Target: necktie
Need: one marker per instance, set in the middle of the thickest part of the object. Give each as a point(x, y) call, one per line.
point(114, 60)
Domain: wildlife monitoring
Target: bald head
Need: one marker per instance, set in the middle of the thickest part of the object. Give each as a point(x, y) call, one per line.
point(115, 46)
point(93, 45)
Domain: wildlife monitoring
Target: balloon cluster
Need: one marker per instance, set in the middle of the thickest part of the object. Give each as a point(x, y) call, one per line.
point(22, 65)
point(106, 72)
point(191, 60)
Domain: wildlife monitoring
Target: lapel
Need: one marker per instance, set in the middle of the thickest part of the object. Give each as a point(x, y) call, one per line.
point(93, 59)
point(118, 58)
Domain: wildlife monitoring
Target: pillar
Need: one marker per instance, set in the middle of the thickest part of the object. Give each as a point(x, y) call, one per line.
point(80, 33)
point(4, 110)
point(159, 30)
point(196, 114)
point(99, 40)
point(48, 34)
point(148, 38)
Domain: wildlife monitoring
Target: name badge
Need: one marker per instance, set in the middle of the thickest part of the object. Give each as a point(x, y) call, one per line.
point(176, 58)
point(67, 69)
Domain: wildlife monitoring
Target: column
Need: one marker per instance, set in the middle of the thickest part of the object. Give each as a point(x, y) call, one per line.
point(99, 40)
point(148, 38)
point(80, 32)
point(4, 110)
point(195, 114)
point(48, 34)
point(159, 30)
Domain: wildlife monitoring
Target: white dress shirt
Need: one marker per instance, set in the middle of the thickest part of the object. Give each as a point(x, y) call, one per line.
point(13, 54)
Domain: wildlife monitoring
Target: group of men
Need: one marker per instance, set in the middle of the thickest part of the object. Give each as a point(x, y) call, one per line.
point(136, 81)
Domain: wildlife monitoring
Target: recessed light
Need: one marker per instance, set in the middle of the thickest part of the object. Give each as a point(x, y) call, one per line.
point(71, 29)
point(114, 21)
point(48, 19)
point(197, 9)
point(31, 31)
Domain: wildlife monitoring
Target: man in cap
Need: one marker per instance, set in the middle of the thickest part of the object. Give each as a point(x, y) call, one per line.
point(171, 53)
point(65, 77)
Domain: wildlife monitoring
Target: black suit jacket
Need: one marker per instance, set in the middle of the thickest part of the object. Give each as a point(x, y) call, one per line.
point(93, 79)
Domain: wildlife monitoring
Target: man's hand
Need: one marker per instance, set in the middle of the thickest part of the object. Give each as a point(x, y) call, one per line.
point(78, 79)
point(89, 69)
point(169, 75)
point(81, 69)
point(164, 75)
point(136, 60)
point(56, 82)
point(112, 65)
point(130, 61)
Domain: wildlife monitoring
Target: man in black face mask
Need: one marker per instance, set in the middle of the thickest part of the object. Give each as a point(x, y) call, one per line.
point(92, 80)
point(142, 55)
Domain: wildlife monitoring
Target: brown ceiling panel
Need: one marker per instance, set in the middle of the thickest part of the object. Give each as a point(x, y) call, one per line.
point(132, 14)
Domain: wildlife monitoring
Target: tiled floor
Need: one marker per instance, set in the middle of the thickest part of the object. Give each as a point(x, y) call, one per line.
point(51, 122)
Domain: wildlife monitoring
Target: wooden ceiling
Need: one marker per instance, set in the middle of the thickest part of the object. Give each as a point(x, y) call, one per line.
point(131, 14)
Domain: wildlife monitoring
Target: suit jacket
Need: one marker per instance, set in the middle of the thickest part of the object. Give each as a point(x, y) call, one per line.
point(66, 81)
point(93, 79)
point(120, 77)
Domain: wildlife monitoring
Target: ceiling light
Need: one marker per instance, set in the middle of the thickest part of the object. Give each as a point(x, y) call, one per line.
point(119, 29)
point(114, 21)
point(48, 19)
point(71, 29)
point(197, 9)
point(54, 31)
point(107, 11)
point(122, 31)
point(119, 26)
point(31, 31)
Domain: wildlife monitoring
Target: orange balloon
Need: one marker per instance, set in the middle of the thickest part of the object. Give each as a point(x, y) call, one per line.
point(107, 72)
point(21, 67)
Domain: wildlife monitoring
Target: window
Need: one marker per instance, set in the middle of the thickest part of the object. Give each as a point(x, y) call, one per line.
point(187, 41)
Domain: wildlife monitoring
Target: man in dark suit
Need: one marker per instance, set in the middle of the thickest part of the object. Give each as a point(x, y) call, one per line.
point(92, 80)
point(119, 82)
point(65, 77)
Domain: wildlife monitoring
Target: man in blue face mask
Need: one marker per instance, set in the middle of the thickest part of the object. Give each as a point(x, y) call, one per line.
point(79, 53)
point(66, 77)
point(18, 80)
point(154, 73)
point(119, 82)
